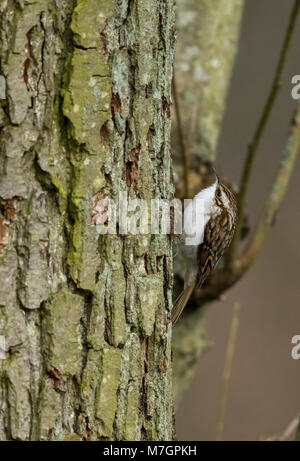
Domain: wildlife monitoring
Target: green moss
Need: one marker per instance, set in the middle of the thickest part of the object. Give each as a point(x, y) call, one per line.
point(83, 257)
point(72, 438)
point(86, 103)
point(87, 97)
point(89, 19)
point(60, 187)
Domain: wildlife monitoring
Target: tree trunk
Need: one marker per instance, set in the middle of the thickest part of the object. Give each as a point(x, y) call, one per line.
point(84, 114)
point(208, 33)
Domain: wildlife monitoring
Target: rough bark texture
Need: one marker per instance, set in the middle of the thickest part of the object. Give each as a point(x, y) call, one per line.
point(208, 33)
point(85, 88)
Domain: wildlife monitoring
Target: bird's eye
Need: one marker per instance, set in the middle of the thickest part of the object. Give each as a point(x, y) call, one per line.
point(219, 193)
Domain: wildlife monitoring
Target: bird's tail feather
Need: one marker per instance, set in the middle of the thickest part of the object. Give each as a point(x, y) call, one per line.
point(181, 302)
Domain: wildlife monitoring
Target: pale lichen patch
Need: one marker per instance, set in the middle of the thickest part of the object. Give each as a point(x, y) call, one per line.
point(63, 314)
point(150, 292)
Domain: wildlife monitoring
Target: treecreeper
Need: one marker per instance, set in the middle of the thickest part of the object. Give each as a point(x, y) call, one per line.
point(212, 236)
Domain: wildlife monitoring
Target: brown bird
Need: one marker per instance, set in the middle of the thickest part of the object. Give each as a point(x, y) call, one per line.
point(210, 237)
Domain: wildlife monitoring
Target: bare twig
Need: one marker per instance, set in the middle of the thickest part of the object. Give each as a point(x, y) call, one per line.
point(253, 147)
point(222, 279)
point(297, 437)
point(184, 152)
point(227, 370)
point(275, 198)
point(290, 430)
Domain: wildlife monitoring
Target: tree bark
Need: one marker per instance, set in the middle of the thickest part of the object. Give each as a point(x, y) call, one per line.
point(208, 33)
point(84, 114)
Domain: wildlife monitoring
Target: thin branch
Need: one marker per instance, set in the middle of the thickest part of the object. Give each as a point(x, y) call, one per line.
point(222, 279)
point(184, 152)
point(253, 147)
point(275, 198)
point(227, 370)
point(297, 437)
point(290, 430)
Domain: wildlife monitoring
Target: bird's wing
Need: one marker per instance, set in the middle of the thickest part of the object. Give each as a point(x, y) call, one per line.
point(209, 253)
point(181, 302)
point(207, 256)
point(205, 263)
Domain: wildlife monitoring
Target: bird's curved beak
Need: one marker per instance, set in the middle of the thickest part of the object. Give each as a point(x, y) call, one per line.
point(217, 177)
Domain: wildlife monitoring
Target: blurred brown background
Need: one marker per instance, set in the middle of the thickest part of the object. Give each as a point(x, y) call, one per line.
point(264, 394)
